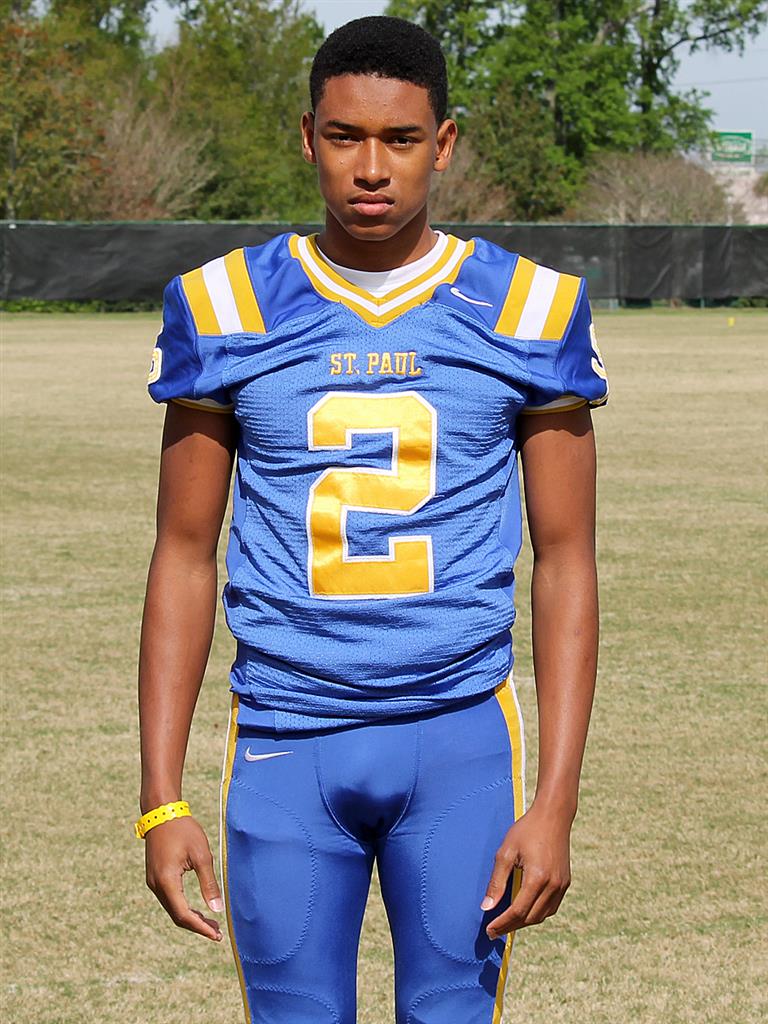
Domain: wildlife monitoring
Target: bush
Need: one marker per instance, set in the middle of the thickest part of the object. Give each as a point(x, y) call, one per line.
point(652, 188)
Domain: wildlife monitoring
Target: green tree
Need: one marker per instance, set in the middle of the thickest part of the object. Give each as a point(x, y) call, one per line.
point(573, 78)
point(122, 21)
point(47, 122)
point(661, 31)
point(467, 31)
point(517, 141)
point(243, 69)
point(80, 135)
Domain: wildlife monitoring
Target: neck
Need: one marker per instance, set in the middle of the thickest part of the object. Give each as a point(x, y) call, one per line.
point(411, 242)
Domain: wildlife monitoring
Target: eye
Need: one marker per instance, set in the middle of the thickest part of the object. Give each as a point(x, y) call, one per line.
point(341, 137)
point(403, 141)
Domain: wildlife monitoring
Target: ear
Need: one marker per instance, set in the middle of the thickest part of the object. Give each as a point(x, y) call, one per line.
point(308, 137)
point(446, 140)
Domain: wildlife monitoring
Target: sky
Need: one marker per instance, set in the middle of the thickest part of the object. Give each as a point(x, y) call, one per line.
point(738, 85)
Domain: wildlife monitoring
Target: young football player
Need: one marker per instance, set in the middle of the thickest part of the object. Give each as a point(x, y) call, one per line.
point(375, 385)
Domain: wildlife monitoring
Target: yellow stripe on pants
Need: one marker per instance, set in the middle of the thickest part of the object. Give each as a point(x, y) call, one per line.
point(507, 699)
point(226, 778)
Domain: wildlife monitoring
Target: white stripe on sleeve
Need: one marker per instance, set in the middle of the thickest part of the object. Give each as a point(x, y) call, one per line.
point(538, 304)
point(222, 297)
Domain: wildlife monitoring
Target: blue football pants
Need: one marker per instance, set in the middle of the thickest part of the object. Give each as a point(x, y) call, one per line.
point(430, 798)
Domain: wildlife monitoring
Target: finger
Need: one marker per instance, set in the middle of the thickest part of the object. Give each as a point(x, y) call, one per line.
point(544, 907)
point(170, 892)
point(209, 887)
point(534, 881)
point(547, 904)
point(503, 865)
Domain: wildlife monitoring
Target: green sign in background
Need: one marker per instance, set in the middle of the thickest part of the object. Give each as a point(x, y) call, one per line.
point(732, 148)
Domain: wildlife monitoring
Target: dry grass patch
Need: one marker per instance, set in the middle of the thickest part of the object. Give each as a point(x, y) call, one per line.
point(663, 920)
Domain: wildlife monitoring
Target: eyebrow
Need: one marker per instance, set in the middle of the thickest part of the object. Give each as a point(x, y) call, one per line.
point(397, 129)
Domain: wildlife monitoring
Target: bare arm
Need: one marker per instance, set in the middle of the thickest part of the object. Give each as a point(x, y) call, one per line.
point(177, 629)
point(558, 456)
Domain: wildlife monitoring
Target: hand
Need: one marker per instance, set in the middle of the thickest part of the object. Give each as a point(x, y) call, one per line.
point(539, 843)
point(175, 847)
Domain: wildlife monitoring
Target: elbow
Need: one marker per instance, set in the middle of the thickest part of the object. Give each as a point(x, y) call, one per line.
point(194, 553)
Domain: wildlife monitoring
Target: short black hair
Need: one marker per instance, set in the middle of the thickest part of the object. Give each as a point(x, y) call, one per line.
point(385, 47)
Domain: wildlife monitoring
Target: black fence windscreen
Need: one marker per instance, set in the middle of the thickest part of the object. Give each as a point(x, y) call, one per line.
point(134, 261)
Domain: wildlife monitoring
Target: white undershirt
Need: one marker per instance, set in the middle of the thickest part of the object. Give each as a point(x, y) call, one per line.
point(379, 282)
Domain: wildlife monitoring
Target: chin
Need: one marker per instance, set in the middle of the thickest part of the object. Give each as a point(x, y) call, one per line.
point(378, 231)
point(371, 228)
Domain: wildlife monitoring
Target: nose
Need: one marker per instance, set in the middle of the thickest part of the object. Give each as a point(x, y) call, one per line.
point(372, 169)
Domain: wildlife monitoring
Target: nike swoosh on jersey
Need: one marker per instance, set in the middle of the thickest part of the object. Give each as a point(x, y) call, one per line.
point(475, 302)
point(263, 757)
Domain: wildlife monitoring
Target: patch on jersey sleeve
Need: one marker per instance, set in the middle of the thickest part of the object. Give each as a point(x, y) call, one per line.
point(539, 303)
point(597, 359)
point(221, 297)
point(155, 366)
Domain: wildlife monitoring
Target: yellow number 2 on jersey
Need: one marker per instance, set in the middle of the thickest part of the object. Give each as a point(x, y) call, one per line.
point(400, 490)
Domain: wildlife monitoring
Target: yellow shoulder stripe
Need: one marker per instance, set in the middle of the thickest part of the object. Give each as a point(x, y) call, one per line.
point(200, 302)
point(519, 287)
point(221, 297)
point(562, 307)
point(539, 302)
point(245, 297)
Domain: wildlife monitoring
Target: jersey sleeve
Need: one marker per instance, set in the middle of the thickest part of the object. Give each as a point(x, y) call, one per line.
point(568, 372)
point(187, 365)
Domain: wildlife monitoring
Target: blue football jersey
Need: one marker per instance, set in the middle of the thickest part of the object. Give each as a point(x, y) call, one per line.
point(376, 515)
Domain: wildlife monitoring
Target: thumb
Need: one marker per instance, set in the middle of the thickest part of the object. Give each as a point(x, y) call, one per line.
point(502, 868)
point(209, 887)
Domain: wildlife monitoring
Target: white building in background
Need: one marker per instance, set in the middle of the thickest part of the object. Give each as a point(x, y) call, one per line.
point(739, 161)
point(741, 191)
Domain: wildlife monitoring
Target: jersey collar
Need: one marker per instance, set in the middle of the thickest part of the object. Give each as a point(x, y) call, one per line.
point(382, 310)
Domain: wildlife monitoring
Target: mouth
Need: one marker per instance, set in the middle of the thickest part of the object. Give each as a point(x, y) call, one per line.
point(371, 205)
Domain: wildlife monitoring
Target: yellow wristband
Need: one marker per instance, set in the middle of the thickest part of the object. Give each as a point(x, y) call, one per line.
point(179, 809)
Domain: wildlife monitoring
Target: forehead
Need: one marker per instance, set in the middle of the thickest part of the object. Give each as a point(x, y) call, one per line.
point(370, 99)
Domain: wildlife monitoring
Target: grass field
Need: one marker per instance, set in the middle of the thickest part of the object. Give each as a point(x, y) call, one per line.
point(665, 917)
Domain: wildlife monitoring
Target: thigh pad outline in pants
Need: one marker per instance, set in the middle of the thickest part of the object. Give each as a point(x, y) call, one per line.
point(436, 864)
point(295, 884)
point(431, 797)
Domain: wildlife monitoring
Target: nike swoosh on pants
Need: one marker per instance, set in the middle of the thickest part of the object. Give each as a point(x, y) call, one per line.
point(263, 757)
